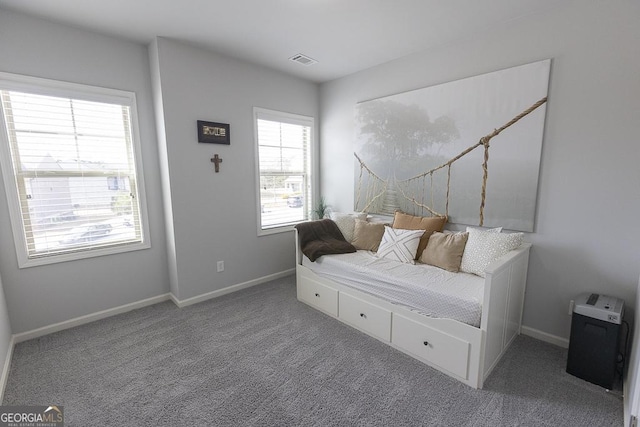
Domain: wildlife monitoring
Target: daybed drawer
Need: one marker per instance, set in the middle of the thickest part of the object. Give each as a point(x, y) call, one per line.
point(320, 296)
point(444, 350)
point(366, 316)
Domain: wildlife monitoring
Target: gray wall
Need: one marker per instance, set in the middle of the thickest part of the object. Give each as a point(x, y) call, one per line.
point(212, 216)
point(587, 228)
point(44, 295)
point(5, 336)
point(632, 385)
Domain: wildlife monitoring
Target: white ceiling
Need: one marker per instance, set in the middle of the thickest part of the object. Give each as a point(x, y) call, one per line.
point(344, 36)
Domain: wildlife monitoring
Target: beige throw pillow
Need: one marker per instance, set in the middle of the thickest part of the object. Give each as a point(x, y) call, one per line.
point(445, 250)
point(367, 235)
point(412, 222)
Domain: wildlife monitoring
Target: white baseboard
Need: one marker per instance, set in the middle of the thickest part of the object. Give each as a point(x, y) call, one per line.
point(229, 289)
point(6, 367)
point(56, 327)
point(543, 336)
point(45, 330)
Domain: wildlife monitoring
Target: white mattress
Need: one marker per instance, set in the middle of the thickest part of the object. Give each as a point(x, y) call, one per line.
point(422, 288)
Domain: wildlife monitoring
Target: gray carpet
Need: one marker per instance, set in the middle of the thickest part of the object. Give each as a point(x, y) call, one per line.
point(258, 357)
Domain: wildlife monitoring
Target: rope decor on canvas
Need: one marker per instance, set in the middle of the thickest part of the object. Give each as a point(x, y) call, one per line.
point(377, 179)
point(379, 186)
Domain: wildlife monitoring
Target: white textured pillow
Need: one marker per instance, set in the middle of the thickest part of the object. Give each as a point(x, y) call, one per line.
point(484, 247)
point(400, 245)
point(346, 222)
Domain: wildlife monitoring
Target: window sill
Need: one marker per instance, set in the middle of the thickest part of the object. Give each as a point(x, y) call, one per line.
point(276, 230)
point(74, 256)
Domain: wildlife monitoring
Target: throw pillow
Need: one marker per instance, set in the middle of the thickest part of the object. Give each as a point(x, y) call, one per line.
point(367, 235)
point(488, 230)
point(412, 222)
point(445, 250)
point(400, 245)
point(484, 247)
point(347, 222)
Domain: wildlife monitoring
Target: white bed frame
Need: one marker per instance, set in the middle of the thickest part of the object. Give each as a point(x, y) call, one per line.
point(464, 352)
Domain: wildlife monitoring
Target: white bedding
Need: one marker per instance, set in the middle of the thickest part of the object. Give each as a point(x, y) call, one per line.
point(422, 288)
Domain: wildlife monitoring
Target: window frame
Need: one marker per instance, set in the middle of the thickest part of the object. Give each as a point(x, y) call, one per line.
point(291, 118)
point(57, 88)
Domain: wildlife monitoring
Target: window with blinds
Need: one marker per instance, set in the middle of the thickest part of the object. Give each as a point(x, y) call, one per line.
point(70, 161)
point(283, 161)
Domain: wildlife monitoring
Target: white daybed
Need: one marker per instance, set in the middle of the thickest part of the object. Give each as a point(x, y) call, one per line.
point(460, 350)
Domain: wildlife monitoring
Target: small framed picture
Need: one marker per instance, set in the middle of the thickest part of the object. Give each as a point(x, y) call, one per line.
point(214, 133)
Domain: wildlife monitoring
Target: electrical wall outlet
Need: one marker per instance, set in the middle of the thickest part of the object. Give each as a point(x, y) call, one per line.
point(220, 266)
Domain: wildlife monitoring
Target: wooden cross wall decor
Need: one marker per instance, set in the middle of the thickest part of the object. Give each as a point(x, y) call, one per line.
point(216, 160)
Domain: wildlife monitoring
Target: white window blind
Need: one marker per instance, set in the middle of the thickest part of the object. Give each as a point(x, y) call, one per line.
point(71, 173)
point(284, 168)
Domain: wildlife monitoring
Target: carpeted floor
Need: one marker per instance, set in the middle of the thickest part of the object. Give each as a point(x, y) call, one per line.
point(259, 357)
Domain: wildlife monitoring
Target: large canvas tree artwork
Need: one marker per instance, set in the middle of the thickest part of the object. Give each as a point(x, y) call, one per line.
point(468, 149)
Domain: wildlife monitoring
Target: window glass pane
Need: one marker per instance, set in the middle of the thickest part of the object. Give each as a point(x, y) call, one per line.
point(37, 113)
point(284, 170)
point(270, 159)
point(66, 212)
point(282, 201)
point(103, 153)
point(293, 160)
point(40, 151)
point(80, 130)
point(97, 119)
point(293, 135)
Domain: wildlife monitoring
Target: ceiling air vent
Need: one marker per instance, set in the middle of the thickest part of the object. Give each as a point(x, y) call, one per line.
point(302, 59)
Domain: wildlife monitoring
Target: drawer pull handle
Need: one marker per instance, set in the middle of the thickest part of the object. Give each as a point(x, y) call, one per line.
point(317, 295)
point(426, 343)
point(364, 316)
